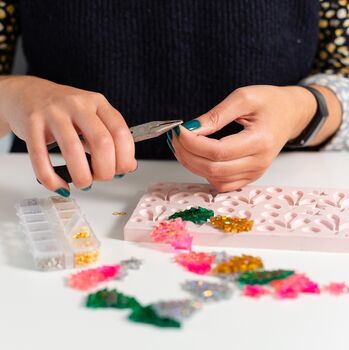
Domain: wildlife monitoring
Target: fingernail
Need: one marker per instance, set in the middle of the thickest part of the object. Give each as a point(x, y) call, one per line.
point(169, 143)
point(119, 176)
point(63, 192)
point(177, 130)
point(192, 124)
point(169, 135)
point(87, 188)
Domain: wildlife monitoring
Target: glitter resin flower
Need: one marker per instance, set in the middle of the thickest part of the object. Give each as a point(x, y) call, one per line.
point(254, 291)
point(199, 263)
point(232, 224)
point(238, 264)
point(173, 232)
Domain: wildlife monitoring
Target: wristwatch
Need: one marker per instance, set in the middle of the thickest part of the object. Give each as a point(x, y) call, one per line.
point(315, 124)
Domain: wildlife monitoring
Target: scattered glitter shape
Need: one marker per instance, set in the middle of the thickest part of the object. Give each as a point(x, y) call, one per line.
point(87, 279)
point(131, 264)
point(263, 276)
point(293, 285)
point(148, 315)
point(231, 224)
point(173, 232)
point(119, 213)
point(208, 291)
point(238, 264)
point(254, 291)
point(178, 309)
point(111, 298)
point(220, 257)
point(86, 258)
point(336, 288)
point(81, 234)
point(197, 215)
point(199, 263)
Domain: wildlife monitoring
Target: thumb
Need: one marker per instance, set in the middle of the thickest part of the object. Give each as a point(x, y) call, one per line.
point(232, 107)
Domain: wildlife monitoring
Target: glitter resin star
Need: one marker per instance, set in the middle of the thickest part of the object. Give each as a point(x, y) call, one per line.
point(177, 309)
point(208, 291)
point(199, 263)
point(88, 279)
point(173, 232)
point(197, 215)
point(231, 224)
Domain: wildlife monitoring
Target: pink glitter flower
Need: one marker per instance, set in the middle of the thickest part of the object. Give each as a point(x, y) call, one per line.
point(173, 232)
point(87, 279)
point(254, 291)
point(199, 263)
point(336, 288)
point(291, 286)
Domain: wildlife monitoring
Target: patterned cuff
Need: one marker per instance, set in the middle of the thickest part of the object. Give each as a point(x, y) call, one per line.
point(340, 86)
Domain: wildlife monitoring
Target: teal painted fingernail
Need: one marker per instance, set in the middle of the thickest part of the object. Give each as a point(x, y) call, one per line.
point(63, 192)
point(119, 176)
point(87, 188)
point(177, 130)
point(192, 124)
point(169, 135)
point(169, 143)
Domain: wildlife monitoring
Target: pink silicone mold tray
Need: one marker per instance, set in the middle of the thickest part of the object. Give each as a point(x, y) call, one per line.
point(284, 218)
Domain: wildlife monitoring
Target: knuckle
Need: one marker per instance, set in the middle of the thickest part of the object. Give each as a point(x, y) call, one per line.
point(246, 95)
point(77, 101)
point(103, 141)
point(219, 154)
point(212, 170)
point(213, 117)
point(71, 147)
point(99, 97)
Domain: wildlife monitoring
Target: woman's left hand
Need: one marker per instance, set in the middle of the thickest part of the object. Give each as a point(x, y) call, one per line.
point(271, 116)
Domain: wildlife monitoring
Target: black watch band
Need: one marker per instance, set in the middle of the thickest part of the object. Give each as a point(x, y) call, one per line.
point(315, 124)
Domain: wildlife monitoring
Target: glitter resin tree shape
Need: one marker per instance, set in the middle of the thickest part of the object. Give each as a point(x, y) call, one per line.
point(263, 276)
point(111, 298)
point(199, 263)
point(173, 232)
point(197, 215)
point(148, 315)
point(238, 264)
point(231, 224)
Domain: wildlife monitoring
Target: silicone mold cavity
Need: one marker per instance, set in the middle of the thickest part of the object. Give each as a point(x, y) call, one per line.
point(285, 217)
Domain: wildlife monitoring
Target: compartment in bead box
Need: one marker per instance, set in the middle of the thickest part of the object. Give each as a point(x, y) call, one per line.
point(284, 217)
point(58, 234)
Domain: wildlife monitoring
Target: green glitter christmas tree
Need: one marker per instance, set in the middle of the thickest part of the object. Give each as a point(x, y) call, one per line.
point(197, 215)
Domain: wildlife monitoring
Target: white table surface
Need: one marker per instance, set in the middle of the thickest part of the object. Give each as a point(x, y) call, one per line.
point(37, 311)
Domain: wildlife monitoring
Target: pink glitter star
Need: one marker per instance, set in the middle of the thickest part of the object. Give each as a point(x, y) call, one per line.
point(87, 279)
point(293, 285)
point(173, 232)
point(254, 291)
point(199, 263)
point(336, 288)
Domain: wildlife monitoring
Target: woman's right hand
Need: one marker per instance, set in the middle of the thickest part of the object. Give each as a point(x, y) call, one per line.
point(41, 112)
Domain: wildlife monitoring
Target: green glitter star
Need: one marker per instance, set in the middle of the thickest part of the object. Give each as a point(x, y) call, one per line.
point(197, 215)
point(111, 298)
point(263, 276)
point(149, 316)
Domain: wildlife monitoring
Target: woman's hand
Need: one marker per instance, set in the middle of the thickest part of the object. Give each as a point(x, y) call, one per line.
point(41, 112)
point(271, 116)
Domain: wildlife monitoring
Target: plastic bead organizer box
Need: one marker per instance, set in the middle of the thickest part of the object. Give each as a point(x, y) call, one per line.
point(314, 219)
point(58, 235)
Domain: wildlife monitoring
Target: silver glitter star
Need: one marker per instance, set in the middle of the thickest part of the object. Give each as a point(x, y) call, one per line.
point(208, 291)
point(131, 264)
point(177, 309)
point(220, 257)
